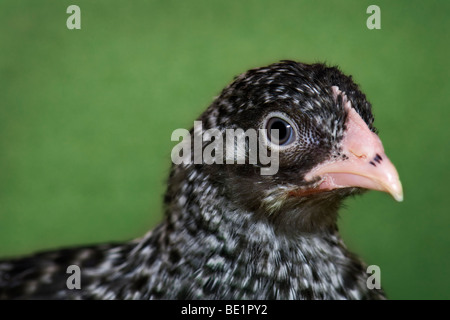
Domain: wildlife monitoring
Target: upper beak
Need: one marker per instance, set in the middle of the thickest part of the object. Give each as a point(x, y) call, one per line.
point(365, 165)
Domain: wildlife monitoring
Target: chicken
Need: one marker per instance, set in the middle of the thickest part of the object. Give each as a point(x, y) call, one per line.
point(230, 231)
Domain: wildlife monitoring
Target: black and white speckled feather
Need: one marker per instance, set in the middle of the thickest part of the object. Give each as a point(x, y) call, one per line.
point(229, 232)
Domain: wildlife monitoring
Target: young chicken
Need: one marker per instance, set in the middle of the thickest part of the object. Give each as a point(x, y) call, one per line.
point(230, 232)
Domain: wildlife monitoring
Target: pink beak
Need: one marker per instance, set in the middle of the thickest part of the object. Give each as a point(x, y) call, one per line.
point(367, 165)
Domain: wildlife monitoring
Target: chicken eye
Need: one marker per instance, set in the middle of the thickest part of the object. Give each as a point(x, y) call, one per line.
point(286, 133)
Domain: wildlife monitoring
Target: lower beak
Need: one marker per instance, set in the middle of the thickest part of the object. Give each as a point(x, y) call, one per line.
point(372, 174)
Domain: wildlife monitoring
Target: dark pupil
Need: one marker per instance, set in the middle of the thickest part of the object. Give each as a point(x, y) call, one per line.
point(284, 130)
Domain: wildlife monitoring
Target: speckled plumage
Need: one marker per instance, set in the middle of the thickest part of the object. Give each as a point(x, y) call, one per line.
point(229, 232)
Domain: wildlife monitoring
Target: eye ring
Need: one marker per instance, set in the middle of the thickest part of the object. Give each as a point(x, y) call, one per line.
point(286, 132)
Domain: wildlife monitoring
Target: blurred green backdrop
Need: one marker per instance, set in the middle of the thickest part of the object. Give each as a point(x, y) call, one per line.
point(86, 115)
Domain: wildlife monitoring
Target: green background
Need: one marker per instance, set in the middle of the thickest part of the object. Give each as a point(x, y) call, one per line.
point(86, 115)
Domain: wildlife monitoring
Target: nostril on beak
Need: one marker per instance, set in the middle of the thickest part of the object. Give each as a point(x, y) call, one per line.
point(359, 155)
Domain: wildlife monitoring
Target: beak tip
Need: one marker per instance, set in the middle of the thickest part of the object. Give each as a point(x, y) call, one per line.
point(398, 197)
point(397, 193)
